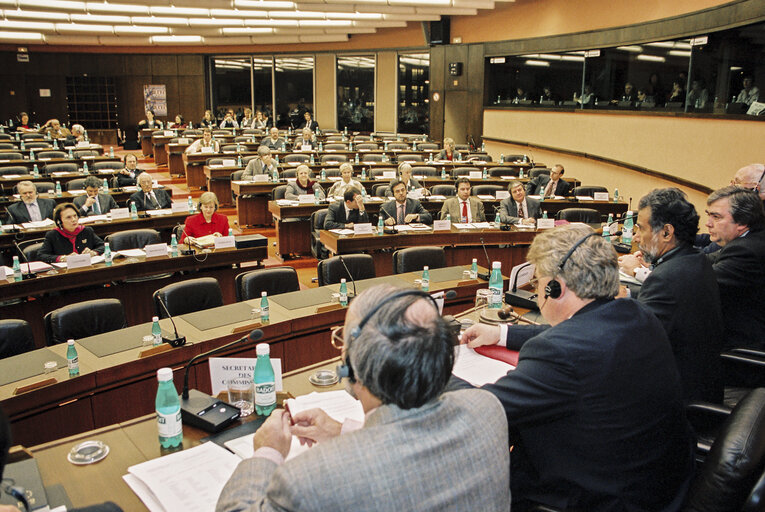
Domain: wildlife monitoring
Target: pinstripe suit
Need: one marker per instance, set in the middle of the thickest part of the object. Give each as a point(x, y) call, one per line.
point(450, 454)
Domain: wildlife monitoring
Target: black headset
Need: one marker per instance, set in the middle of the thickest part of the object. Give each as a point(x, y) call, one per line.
point(553, 289)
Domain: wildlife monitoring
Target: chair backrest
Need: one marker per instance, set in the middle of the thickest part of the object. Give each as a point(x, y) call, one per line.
point(335, 146)
point(38, 144)
point(13, 169)
point(222, 132)
point(246, 159)
point(367, 146)
point(193, 133)
point(381, 190)
point(289, 173)
point(84, 319)
point(333, 172)
point(51, 154)
point(588, 190)
point(228, 148)
point(424, 170)
point(462, 147)
point(296, 158)
point(273, 281)
point(735, 462)
point(84, 152)
point(42, 187)
point(15, 338)
point(362, 137)
point(334, 138)
point(333, 158)
point(504, 171)
point(77, 184)
point(108, 165)
point(398, 145)
point(30, 248)
point(444, 190)
point(236, 175)
point(7, 145)
point(515, 158)
point(242, 138)
point(533, 173)
point(490, 190)
point(427, 146)
point(375, 173)
point(409, 158)
point(370, 157)
point(587, 215)
point(413, 259)
point(464, 171)
point(483, 157)
point(215, 161)
point(10, 155)
point(317, 220)
point(32, 136)
point(62, 167)
point(132, 239)
point(252, 131)
point(279, 192)
point(188, 296)
point(5, 136)
point(331, 270)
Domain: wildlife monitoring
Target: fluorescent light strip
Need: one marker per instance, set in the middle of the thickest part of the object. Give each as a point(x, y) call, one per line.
point(180, 11)
point(680, 53)
point(176, 39)
point(126, 8)
point(53, 4)
point(214, 22)
point(157, 20)
point(18, 13)
point(235, 13)
point(135, 29)
point(325, 23)
point(246, 30)
point(79, 27)
point(99, 18)
point(31, 25)
point(271, 23)
point(537, 63)
point(26, 36)
point(651, 58)
point(631, 49)
point(265, 4)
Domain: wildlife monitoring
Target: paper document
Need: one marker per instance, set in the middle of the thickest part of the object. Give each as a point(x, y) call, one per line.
point(342, 231)
point(437, 197)
point(154, 213)
point(477, 369)
point(36, 266)
point(131, 253)
point(92, 218)
point(482, 225)
point(45, 223)
point(416, 226)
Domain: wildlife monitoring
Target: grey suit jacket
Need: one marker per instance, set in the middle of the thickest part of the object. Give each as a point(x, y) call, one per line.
point(452, 207)
point(508, 210)
point(255, 166)
point(278, 145)
point(105, 202)
point(336, 218)
point(450, 454)
point(19, 214)
point(412, 206)
point(536, 187)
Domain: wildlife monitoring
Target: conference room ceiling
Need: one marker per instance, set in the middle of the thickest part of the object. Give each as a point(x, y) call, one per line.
point(229, 22)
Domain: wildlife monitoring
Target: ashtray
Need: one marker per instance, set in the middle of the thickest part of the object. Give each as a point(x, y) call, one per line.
point(323, 378)
point(88, 452)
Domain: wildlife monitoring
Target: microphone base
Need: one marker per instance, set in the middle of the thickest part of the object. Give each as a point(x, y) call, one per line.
point(187, 252)
point(485, 276)
point(505, 227)
point(206, 412)
point(521, 299)
point(174, 341)
point(28, 275)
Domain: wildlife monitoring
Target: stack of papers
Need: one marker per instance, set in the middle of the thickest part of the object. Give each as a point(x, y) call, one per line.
point(36, 266)
point(92, 218)
point(45, 223)
point(155, 213)
point(472, 225)
point(287, 202)
point(342, 231)
point(477, 369)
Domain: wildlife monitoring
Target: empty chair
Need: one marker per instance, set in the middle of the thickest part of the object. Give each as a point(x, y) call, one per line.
point(84, 319)
point(228, 148)
point(195, 133)
point(291, 173)
point(294, 157)
point(78, 184)
point(38, 145)
point(317, 224)
point(586, 215)
point(273, 281)
point(464, 171)
point(85, 152)
point(367, 146)
point(516, 158)
point(5, 136)
point(379, 173)
point(371, 157)
point(504, 171)
point(483, 157)
point(108, 165)
point(412, 259)
point(51, 154)
point(61, 167)
point(214, 161)
point(32, 136)
point(334, 138)
point(242, 138)
point(327, 159)
point(332, 173)
point(237, 175)
point(588, 190)
point(409, 158)
point(488, 190)
point(424, 170)
point(427, 146)
point(279, 192)
point(188, 296)
point(132, 239)
point(15, 338)
point(359, 138)
point(7, 145)
point(30, 248)
point(11, 155)
point(13, 169)
point(221, 132)
point(331, 270)
point(381, 190)
point(400, 146)
point(462, 147)
point(443, 190)
point(533, 173)
point(335, 147)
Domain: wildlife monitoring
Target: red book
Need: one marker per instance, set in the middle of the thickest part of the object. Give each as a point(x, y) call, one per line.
point(499, 353)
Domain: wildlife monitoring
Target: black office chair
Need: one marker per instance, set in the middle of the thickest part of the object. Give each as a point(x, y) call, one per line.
point(296, 157)
point(335, 146)
point(317, 224)
point(214, 161)
point(381, 190)
point(331, 270)
point(86, 152)
point(132, 239)
point(587, 190)
point(367, 146)
point(424, 170)
point(10, 155)
point(362, 138)
point(444, 190)
point(51, 154)
point(38, 145)
point(273, 281)
point(498, 172)
point(369, 158)
point(428, 146)
point(463, 171)
point(462, 147)
point(533, 173)
point(78, 184)
point(333, 159)
point(84, 319)
point(409, 158)
point(62, 167)
point(15, 338)
point(413, 259)
point(31, 247)
point(481, 157)
point(279, 192)
point(228, 148)
point(108, 165)
point(32, 136)
point(398, 146)
point(246, 159)
point(586, 215)
point(489, 190)
point(13, 169)
point(333, 173)
point(743, 370)
point(188, 296)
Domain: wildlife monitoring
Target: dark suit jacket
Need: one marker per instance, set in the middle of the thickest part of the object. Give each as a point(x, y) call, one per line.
point(279, 145)
point(56, 245)
point(105, 202)
point(313, 125)
point(536, 187)
point(508, 210)
point(682, 292)
point(412, 206)
point(336, 219)
point(127, 181)
point(740, 270)
point(18, 213)
point(143, 203)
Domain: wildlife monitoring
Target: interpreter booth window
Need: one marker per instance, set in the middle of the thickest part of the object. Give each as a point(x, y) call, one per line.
point(231, 86)
point(293, 78)
point(536, 80)
point(356, 93)
point(414, 93)
point(263, 91)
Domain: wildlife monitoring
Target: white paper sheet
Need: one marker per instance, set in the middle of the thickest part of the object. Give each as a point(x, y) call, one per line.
point(477, 369)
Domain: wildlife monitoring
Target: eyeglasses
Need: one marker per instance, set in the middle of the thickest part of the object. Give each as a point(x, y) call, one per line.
point(337, 337)
point(534, 282)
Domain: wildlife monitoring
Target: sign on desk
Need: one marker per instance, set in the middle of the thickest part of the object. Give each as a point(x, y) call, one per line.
point(364, 228)
point(155, 250)
point(224, 369)
point(120, 213)
point(224, 242)
point(442, 225)
point(77, 261)
point(179, 207)
point(600, 196)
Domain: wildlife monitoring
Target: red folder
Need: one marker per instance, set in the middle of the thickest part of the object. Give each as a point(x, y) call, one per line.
point(499, 353)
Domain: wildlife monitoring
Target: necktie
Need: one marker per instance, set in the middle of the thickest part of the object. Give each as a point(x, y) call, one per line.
point(400, 219)
point(96, 207)
point(34, 212)
point(548, 189)
point(464, 211)
point(153, 200)
point(353, 216)
point(521, 213)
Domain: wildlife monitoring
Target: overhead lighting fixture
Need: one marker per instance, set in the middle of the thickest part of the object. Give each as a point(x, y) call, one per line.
point(573, 58)
point(736, 68)
point(416, 3)
point(36, 15)
point(662, 44)
point(134, 29)
point(176, 39)
point(497, 60)
point(126, 8)
point(271, 23)
point(53, 4)
point(265, 4)
point(246, 30)
point(631, 49)
point(180, 11)
point(159, 20)
point(651, 58)
point(30, 25)
point(537, 63)
point(99, 18)
point(214, 22)
point(679, 53)
point(80, 27)
point(325, 23)
point(19, 36)
point(296, 14)
point(236, 13)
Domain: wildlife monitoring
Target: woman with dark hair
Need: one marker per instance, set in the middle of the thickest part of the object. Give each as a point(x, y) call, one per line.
point(69, 237)
point(150, 122)
point(178, 124)
point(23, 125)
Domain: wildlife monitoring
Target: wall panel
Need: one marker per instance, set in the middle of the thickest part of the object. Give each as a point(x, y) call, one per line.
point(386, 111)
point(325, 99)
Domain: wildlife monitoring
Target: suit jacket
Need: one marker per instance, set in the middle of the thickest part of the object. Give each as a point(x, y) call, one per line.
point(294, 190)
point(55, 244)
point(537, 186)
point(595, 412)
point(18, 214)
point(279, 145)
point(255, 166)
point(313, 125)
point(127, 181)
point(142, 203)
point(682, 292)
point(508, 210)
point(740, 270)
point(105, 202)
point(431, 459)
point(412, 206)
point(453, 207)
point(442, 155)
point(336, 218)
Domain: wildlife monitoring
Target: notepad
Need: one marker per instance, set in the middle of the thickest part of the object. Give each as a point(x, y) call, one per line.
point(477, 369)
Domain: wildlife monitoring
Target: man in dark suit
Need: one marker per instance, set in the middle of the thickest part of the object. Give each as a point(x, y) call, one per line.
point(403, 210)
point(310, 123)
point(127, 177)
point(346, 213)
point(681, 290)
point(274, 142)
point(93, 203)
point(595, 404)
point(518, 207)
point(548, 186)
point(737, 223)
point(149, 198)
point(30, 208)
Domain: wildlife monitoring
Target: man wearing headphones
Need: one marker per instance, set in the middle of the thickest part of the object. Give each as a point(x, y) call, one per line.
point(595, 404)
point(419, 449)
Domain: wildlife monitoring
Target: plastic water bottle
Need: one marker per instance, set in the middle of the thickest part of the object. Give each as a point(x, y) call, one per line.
point(474, 269)
point(459, 156)
point(35, 171)
point(610, 220)
point(169, 423)
point(156, 330)
point(497, 220)
point(321, 146)
point(239, 161)
point(190, 202)
point(105, 185)
point(443, 173)
point(276, 176)
point(173, 246)
point(265, 382)
point(316, 198)
point(520, 174)
point(343, 292)
point(71, 154)
point(607, 233)
point(238, 148)
point(85, 168)
point(485, 173)
point(133, 211)
point(430, 157)
point(32, 154)
point(544, 214)
point(380, 226)
point(363, 171)
point(502, 158)
point(23, 146)
point(350, 145)
point(230, 231)
point(72, 361)
point(425, 283)
point(356, 159)
point(414, 145)
point(483, 147)
point(449, 217)
point(495, 285)
point(16, 269)
point(323, 174)
point(616, 195)
point(385, 145)
point(55, 143)
point(313, 161)
point(628, 224)
point(111, 151)
point(265, 309)
point(59, 193)
point(107, 254)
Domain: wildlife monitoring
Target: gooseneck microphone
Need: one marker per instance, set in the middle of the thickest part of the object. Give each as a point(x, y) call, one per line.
point(29, 275)
point(178, 340)
point(487, 275)
point(353, 281)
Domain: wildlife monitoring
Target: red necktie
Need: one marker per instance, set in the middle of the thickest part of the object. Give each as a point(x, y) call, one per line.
point(464, 211)
point(520, 211)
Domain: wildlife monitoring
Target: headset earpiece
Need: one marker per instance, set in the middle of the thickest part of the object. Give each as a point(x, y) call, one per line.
point(553, 289)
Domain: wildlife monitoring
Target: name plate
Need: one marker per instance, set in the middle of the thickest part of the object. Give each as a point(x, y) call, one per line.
point(179, 207)
point(475, 175)
point(120, 213)
point(184, 140)
point(83, 144)
point(259, 178)
point(305, 198)
point(389, 175)
point(224, 369)
point(77, 261)
point(442, 225)
point(228, 162)
point(306, 147)
point(364, 228)
point(155, 250)
point(600, 196)
point(3, 277)
point(545, 223)
point(224, 242)
point(502, 194)
point(206, 149)
point(169, 133)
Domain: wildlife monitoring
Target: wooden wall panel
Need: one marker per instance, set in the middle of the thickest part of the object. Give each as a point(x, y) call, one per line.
point(164, 65)
point(386, 111)
point(137, 65)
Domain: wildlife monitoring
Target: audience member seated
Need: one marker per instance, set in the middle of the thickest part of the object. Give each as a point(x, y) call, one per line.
point(261, 122)
point(24, 125)
point(628, 95)
point(69, 237)
point(338, 188)
point(206, 141)
point(53, 129)
point(587, 98)
point(306, 142)
point(274, 142)
point(737, 223)
point(148, 198)
point(77, 135)
point(548, 186)
point(448, 152)
point(303, 185)
point(127, 177)
point(403, 210)
point(309, 123)
point(698, 96)
point(464, 207)
point(31, 208)
point(208, 221)
point(178, 123)
point(594, 406)
point(207, 120)
point(404, 173)
point(229, 121)
point(519, 208)
point(750, 93)
point(246, 121)
point(150, 123)
point(346, 213)
point(520, 95)
point(432, 448)
point(678, 93)
point(264, 164)
point(93, 203)
point(665, 230)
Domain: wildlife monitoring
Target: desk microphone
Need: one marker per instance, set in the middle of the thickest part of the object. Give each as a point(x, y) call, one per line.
point(202, 410)
point(30, 274)
point(189, 251)
point(520, 298)
point(391, 230)
point(177, 341)
point(487, 275)
point(353, 281)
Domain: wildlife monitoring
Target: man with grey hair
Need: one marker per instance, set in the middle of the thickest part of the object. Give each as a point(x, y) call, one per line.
point(149, 198)
point(595, 403)
point(419, 448)
point(93, 202)
point(31, 208)
point(736, 222)
point(273, 141)
point(77, 135)
point(263, 164)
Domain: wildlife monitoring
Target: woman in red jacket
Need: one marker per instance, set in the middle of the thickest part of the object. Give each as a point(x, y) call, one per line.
point(208, 221)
